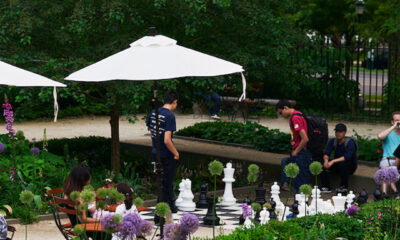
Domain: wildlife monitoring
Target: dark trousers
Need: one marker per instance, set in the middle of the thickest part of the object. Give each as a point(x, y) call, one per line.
point(303, 160)
point(169, 165)
point(209, 99)
point(344, 169)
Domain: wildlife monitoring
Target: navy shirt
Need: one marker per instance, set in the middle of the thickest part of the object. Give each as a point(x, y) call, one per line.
point(349, 152)
point(166, 123)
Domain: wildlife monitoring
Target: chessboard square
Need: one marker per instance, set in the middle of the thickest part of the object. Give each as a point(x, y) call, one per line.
point(200, 211)
point(147, 217)
point(233, 208)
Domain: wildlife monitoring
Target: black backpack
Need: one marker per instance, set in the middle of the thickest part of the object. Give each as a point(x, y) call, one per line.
point(317, 134)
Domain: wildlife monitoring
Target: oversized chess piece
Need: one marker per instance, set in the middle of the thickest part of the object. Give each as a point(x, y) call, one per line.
point(260, 194)
point(275, 195)
point(316, 202)
point(202, 202)
point(264, 216)
point(328, 207)
point(350, 199)
point(295, 209)
point(272, 214)
point(228, 198)
point(303, 201)
point(363, 197)
point(339, 202)
point(377, 194)
point(187, 204)
point(178, 201)
point(208, 219)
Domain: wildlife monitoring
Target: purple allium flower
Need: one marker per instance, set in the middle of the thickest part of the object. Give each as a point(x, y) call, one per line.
point(247, 212)
point(145, 227)
point(9, 116)
point(1, 147)
point(173, 232)
point(392, 175)
point(35, 151)
point(132, 217)
point(189, 223)
point(127, 230)
point(353, 209)
point(380, 176)
point(108, 224)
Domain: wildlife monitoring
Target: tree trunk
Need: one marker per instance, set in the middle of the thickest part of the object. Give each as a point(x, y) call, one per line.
point(115, 146)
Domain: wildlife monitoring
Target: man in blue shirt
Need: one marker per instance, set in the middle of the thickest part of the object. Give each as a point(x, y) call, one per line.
point(168, 153)
point(344, 161)
point(390, 138)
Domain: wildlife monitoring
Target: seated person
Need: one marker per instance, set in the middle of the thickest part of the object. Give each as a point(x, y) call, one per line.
point(76, 180)
point(214, 108)
point(390, 138)
point(3, 228)
point(128, 206)
point(345, 159)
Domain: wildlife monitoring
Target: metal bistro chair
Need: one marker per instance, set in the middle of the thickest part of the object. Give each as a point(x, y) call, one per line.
point(11, 230)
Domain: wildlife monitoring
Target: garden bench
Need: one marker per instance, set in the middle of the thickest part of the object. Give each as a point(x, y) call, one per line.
point(248, 107)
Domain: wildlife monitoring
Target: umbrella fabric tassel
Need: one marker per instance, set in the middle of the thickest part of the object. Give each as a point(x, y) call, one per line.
point(55, 104)
point(243, 96)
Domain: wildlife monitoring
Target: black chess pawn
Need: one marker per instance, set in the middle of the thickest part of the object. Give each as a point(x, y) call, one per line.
point(295, 209)
point(377, 194)
point(260, 194)
point(208, 219)
point(364, 195)
point(202, 202)
point(272, 215)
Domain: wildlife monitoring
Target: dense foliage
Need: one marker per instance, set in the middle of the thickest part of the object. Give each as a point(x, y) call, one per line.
point(265, 139)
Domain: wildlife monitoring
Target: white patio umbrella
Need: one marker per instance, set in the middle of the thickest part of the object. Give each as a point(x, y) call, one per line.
point(157, 58)
point(14, 76)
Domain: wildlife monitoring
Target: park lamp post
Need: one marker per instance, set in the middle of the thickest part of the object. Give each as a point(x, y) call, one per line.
point(360, 6)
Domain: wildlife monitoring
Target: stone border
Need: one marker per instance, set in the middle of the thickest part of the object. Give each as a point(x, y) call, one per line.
point(368, 163)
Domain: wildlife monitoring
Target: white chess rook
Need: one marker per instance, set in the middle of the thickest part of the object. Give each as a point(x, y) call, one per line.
point(228, 198)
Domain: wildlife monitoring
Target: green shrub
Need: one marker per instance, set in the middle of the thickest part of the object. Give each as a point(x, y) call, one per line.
point(250, 133)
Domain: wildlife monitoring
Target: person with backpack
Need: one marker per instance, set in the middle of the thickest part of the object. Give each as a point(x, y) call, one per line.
point(344, 161)
point(299, 139)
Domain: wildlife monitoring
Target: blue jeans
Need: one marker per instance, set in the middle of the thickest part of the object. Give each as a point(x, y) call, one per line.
point(303, 160)
point(215, 98)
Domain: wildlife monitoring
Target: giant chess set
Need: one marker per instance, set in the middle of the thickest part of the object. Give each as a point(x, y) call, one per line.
point(229, 213)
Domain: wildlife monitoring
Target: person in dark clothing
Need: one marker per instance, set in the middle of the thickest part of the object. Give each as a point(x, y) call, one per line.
point(168, 153)
point(344, 161)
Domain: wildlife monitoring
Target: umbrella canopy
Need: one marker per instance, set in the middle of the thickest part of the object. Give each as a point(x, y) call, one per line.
point(156, 58)
point(14, 76)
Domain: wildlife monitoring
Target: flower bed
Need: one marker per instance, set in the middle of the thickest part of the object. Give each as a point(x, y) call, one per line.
point(265, 139)
point(376, 220)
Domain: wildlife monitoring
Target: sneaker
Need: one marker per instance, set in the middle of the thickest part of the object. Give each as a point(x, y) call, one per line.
point(325, 190)
point(285, 186)
point(216, 117)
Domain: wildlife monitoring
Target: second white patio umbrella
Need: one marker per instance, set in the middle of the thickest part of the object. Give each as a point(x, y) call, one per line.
point(13, 76)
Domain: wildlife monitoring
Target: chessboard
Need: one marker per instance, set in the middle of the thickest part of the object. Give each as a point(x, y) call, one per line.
point(229, 216)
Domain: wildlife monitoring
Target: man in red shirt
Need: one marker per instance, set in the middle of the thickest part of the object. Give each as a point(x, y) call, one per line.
point(299, 139)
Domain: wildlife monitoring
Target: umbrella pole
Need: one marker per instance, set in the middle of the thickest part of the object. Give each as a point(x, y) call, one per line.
point(159, 170)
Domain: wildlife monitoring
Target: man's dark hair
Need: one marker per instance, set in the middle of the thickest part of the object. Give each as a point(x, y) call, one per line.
point(283, 103)
point(170, 97)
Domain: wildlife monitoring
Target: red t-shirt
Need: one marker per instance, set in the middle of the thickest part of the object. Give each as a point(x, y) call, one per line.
point(297, 123)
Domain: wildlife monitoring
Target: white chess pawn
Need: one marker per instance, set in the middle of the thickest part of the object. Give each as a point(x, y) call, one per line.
point(275, 195)
point(264, 216)
point(350, 198)
point(228, 198)
point(178, 201)
point(302, 200)
point(316, 202)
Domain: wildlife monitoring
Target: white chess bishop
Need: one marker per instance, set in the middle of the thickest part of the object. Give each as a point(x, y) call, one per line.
point(302, 200)
point(275, 195)
point(228, 198)
point(317, 202)
point(187, 204)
